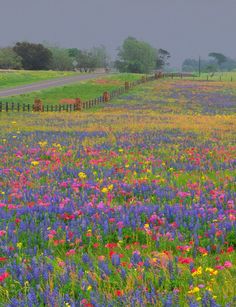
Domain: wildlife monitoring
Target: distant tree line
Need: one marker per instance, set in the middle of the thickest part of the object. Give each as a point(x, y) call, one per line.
point(216, 62)
point(133, 56)
point(30, 56)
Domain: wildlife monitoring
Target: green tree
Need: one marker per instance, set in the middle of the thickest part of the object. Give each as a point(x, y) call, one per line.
point(89, 59)
point(9, 59)
point(100, 56)
point(61, 59)
point(163, 57)
point(136, 56)
point(190, 65)
point(34, 56)
point(219, 57)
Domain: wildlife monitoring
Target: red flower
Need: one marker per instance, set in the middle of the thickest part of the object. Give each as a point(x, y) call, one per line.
point(4, 276)
point(202, 250)
point(3, 259)
point(185, 260)
point(230, 249)
point(111, 245)
point(17, 220)
point(111, 253)
point(119, 292)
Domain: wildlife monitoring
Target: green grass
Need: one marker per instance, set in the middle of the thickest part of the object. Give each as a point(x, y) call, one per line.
point(85, 90)
point(218, 76)
point(9, 79)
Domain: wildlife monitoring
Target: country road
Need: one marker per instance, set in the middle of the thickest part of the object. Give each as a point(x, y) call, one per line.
point(46, 84)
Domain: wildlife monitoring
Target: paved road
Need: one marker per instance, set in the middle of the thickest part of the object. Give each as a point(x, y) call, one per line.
point(46, 84)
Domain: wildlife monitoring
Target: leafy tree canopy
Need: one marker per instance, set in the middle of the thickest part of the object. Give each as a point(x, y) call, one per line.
point(34, 56)
point(9, 59)
point(136, 56)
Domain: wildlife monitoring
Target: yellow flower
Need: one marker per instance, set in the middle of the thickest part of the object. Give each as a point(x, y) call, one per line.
point(212, 271)
point(43, 144)
point(209, 270)
point(146, 226)
point(19, 245)
point(126, 165)
point(82, 175)
point(209, 289)
point(34, 163)
point(13, 123)
point(89, 288)
point(198, 271)
point(110, 187)
point(194, 290)
point(3, 193)
point(121, 150)
point(104, 190)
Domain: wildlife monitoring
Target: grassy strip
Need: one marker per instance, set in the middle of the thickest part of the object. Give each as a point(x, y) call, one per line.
point(9, 79)
point(85, 90)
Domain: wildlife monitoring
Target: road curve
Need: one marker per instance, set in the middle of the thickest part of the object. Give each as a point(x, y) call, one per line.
point(46, 84)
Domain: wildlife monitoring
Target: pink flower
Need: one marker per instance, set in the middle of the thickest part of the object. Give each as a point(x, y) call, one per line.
point(70, 252)
point(2, 233)
point(120, 224)
point(228, 264)
point(61, 264)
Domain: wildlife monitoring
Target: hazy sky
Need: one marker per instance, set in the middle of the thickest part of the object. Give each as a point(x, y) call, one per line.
point(186, 28)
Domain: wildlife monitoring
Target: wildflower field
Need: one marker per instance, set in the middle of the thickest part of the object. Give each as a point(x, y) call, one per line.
point(127, 204)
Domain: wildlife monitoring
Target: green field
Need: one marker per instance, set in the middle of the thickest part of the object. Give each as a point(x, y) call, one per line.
point(85, 90)
point(217, 76)
point(9, 79)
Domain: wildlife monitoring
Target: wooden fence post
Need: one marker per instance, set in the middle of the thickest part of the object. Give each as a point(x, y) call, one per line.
point(127, 86)
point(144, 79)
point(106, 96)
point(38, 105)
point(78, 104)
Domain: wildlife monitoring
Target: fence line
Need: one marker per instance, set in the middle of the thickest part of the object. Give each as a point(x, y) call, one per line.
point(79, 105)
